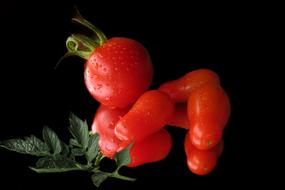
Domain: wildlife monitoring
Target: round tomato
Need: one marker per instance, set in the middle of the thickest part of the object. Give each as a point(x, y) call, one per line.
point(118, 72)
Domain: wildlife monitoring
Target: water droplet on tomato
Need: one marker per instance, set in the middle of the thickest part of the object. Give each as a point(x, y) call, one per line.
point(108, 148)
point(99, 86)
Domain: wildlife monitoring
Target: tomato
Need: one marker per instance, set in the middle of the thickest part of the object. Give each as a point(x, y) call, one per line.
point(180, 116)
point(104, 123)
point(201, 162)
point(208, 111)
point(151, 149)
point(180, 89)
point(150, 113)
point(118, 72)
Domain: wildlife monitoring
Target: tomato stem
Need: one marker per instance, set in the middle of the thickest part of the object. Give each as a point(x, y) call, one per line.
point(79, 45)
point(80, 20)
point(82, 45)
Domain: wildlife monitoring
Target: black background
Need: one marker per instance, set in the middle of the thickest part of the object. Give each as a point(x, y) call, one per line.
point(180, 37)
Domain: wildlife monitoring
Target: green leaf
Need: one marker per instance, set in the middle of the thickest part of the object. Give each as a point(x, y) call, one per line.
point(77, 152)
point(54, 164)
point(123, 157)
point(52, 140)
point(98, 178)
point(74, 142)
point(65, 149)
point(79, 130)
point(30, 145)
point(93, 147)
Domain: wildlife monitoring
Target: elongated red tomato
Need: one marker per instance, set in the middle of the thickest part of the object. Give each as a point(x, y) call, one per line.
point(180, 89)
point(104, 123)
point(180, 116)
point(208, 111)
point(151, 149)
point(150, 113)
point(201, 162)
point(118, 72)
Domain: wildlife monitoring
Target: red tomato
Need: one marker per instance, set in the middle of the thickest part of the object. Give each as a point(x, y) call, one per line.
point(180, 89)
point(104, 123)
point(201, 162)
point(180, 116)
point(118, 72)
point(151, 149)
point(150, 113)
point(208, 111)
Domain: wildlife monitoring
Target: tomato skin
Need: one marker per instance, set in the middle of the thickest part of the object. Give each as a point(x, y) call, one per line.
point(205, 136)
point(180, 116)
point(180, 89)
point(104, 123)
point(151, 149)
point(118, 72)
point(150, 113)
point(201, 162)
point(208, 111)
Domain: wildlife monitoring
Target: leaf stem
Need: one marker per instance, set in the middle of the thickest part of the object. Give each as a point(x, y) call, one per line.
point(119, 176)
point(98, 159)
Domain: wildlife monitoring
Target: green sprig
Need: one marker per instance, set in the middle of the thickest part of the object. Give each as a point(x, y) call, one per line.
point(56, 156)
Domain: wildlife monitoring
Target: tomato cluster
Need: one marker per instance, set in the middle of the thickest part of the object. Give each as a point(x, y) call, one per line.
point(118, 73)
point(202, 107)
